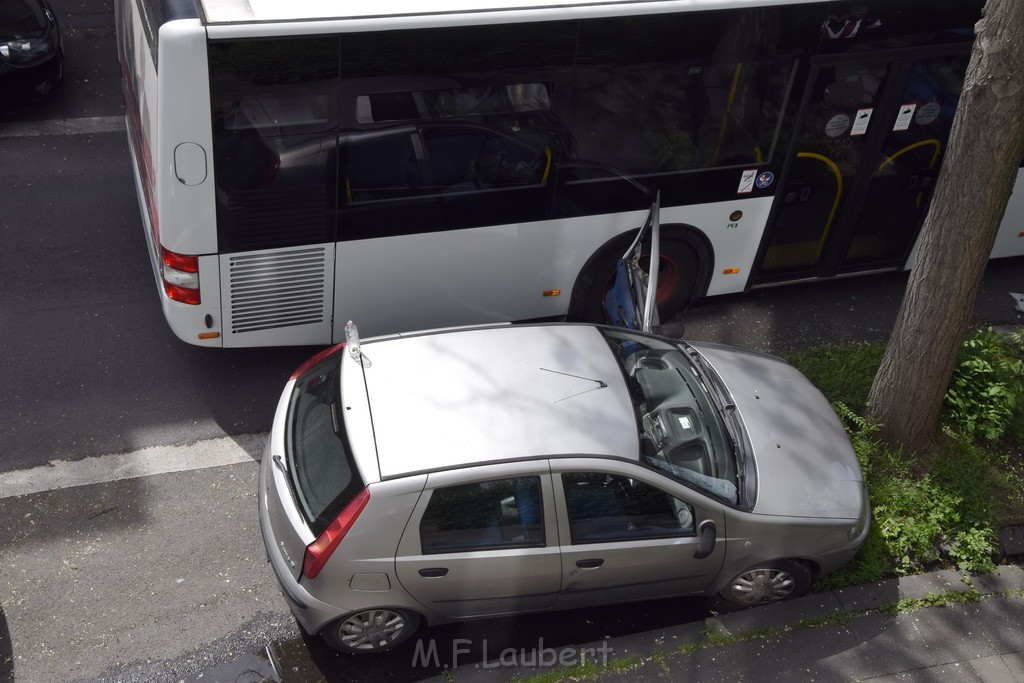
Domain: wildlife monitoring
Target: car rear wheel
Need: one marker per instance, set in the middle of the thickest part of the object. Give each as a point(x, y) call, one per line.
point(371, 631)
point(771, 582)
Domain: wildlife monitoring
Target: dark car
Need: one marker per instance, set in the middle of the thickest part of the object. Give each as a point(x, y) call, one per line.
point(31, 53)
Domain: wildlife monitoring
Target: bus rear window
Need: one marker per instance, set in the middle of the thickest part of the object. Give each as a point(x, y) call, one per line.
point(323, 472)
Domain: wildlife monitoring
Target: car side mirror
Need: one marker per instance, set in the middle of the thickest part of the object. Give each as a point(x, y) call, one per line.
point(708, 536)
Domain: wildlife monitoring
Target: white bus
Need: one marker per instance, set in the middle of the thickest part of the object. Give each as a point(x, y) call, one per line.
point(413, 165)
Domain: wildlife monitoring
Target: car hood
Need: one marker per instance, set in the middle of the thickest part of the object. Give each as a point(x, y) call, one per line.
point(805, 464)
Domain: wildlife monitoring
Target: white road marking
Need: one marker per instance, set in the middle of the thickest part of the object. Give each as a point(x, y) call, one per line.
point(60, 474)
point(95, 124)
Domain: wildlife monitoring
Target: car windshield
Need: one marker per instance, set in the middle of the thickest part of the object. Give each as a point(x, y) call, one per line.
point(20, 19)
point(681, 431)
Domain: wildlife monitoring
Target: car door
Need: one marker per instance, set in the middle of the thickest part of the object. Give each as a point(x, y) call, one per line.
point(628, 534)
point(483, 541)
point(630, 303)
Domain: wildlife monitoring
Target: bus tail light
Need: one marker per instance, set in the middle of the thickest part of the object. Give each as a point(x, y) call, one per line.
point(320, 550)
point(181, 277)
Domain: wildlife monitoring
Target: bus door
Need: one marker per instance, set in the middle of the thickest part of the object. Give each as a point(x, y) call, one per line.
point(869, 139)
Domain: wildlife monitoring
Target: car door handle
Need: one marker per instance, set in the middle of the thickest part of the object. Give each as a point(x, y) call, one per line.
point(433, 572)
point(589, 564)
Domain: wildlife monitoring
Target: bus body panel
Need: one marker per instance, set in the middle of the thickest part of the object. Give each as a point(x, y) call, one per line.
point(139, 89)
point(734, 240)
point(184, 100)
point(392, 275)
point(1010, 240)
point(509, 272)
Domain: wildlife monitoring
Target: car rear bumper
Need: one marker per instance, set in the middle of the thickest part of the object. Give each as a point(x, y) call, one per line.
point(312, 614)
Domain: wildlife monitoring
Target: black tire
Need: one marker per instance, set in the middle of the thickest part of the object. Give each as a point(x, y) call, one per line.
point(678, 273)
point(769, 582)
point(371, 631)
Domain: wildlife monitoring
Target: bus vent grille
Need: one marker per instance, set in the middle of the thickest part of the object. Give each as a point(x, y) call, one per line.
point(279, 289)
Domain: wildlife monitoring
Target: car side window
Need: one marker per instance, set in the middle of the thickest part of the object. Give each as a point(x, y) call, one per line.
point(489, 515)
point(607, 507)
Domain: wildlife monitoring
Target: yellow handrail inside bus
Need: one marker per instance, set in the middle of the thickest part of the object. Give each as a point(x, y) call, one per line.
point(728, 108)
point(935, 157)
point(547, 167)
point(839, 193)
point(930, 141)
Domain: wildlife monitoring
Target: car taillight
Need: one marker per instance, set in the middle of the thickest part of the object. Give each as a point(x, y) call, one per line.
point(181, 277)
point(320, 550)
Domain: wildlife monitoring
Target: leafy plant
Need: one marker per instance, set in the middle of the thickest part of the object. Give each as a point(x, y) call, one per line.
point(987, 385)
point(940, 509)
point(972, 549)
point(914, 519)
point(861, 432)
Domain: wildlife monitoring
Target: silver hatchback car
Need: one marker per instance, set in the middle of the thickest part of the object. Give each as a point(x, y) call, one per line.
point(475, 472)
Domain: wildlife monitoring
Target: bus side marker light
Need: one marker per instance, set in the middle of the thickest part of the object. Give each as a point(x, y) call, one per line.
point(209, 335)
point(552, 292)
point(730, 271)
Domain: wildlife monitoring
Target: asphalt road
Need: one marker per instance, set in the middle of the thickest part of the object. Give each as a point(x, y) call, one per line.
point(90, 576)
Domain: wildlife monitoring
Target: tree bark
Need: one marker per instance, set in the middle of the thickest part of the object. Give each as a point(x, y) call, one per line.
point(985, 147)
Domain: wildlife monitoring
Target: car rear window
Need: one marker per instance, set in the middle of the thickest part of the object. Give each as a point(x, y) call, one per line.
point(319, 457)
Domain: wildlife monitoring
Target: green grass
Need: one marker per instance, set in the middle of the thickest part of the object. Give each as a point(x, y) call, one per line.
point(943, 509)
point(843, 372)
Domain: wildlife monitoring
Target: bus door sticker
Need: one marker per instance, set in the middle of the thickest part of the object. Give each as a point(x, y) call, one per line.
point(861, 121)
point(905, 117)
point(837, 125)
point(764, 180)
point(747, 181)
point(927, 113)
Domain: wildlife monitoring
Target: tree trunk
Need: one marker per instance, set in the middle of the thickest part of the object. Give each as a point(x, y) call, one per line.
point(985, 147)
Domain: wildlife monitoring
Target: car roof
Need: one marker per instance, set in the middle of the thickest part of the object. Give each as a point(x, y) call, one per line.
point(484, 395)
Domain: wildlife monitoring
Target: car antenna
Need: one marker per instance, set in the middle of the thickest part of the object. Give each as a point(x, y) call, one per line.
point(601, 384)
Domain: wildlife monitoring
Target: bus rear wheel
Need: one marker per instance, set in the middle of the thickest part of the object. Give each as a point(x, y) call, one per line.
point(677, 278)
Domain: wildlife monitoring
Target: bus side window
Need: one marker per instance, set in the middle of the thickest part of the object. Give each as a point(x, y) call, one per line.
point(380, 168)
point(468, 159)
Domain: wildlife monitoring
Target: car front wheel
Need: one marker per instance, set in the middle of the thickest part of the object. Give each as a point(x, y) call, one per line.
point(371, 631)
point(771, 582)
